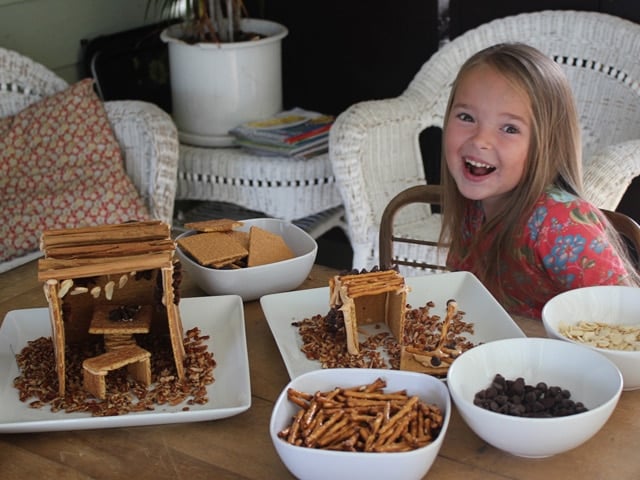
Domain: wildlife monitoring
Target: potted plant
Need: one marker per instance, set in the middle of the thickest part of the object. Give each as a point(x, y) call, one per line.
point(225, 67)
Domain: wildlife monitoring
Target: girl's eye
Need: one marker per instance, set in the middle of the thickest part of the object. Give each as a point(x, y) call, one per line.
point(510, 129)
point(465, 117)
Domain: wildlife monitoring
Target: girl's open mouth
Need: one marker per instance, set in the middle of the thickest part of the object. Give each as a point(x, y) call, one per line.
point(477, 168)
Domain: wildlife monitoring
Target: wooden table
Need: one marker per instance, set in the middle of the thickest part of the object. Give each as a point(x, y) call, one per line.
point(239, 447)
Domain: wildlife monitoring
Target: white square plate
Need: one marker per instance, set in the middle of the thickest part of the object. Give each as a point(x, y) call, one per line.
point(490, 320)
point(222, 318)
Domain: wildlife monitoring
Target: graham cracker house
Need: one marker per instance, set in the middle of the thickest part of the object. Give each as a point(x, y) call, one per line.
point(366, 298)
point(117, 281)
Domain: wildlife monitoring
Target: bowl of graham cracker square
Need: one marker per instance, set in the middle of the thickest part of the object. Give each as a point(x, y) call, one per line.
point(250, 258)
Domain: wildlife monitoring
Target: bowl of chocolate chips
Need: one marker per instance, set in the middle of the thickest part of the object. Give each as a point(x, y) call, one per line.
point(534, 397)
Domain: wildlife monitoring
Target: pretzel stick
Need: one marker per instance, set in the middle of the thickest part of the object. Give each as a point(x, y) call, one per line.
point(452, 309)
point(416, 426)
point(387, 412)
point(332, 394)
point(388, 436)
point(427, 353)
point(377, 423)
point(310, 413)
point(395, 447)
point(403, 411)
point(356, 403)
point(349, 444)
point(322, 429)
point(298, 398)
point(293, 432)
point(377, 396)
point(377, 384)
point(341, 437)
point(336, 431)
point(317, 421)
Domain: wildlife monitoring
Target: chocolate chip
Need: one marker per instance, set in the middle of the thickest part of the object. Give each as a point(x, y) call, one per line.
point(124, 313)
point(515, 397)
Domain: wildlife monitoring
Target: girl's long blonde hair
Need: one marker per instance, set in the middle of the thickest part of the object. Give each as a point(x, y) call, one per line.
point(554, 155)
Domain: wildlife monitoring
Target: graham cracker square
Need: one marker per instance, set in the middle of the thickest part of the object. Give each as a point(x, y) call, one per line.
point(266, 247)
point(213, 248)
point(241, 237)
point(215, 225)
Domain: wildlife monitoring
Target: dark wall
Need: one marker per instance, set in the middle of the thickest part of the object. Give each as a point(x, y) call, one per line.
point(339, 52)
point(467, 14)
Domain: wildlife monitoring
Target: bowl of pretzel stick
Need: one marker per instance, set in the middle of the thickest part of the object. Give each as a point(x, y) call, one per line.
point(605, 318)
point(360, 423)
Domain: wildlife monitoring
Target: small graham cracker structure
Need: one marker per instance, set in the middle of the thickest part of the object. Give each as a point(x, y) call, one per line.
point(437, 360)
point(381, 297)
point(117, 281)
point(367, 298)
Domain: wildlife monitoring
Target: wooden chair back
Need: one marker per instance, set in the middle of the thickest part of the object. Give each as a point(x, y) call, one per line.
point(627, 227)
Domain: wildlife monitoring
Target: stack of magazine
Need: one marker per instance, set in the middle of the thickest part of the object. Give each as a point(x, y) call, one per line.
point(292, 133)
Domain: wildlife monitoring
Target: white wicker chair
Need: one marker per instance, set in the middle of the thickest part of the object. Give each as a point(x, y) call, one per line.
point(374, 146)
point(147, 135)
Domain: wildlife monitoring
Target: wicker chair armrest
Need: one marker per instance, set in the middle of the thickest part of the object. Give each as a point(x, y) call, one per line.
point(24, 81)
point(149, 142)
point(375, 154)
point(609, 172)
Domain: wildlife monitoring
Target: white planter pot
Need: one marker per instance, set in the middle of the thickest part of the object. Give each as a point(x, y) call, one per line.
point(215, 87)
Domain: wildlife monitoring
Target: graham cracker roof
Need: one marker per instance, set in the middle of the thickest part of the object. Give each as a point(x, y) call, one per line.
point(105, 249)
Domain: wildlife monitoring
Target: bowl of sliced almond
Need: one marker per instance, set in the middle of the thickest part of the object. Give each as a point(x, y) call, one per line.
point(250, 258)
point(605, 318)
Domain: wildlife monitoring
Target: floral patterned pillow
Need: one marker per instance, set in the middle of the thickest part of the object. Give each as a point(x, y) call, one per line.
point(61, 167)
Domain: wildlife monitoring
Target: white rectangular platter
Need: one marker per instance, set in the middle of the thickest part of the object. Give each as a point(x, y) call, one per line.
point(221, 317)
point(490, 320)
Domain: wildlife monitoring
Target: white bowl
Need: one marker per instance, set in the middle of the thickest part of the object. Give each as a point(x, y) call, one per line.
point(253, 282)
point(590, 378)
point(606, 304)
point(310, 463)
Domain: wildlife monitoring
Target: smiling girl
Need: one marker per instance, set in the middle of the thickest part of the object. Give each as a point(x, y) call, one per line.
point(512, 208)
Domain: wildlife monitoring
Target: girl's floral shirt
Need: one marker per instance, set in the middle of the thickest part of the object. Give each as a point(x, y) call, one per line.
point(562, 246)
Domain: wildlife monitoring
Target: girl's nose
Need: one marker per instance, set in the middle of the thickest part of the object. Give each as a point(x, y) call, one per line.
point(482, 138)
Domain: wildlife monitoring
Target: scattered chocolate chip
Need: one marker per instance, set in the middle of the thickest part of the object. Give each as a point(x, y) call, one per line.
point(124, 313)
point(515, 397)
